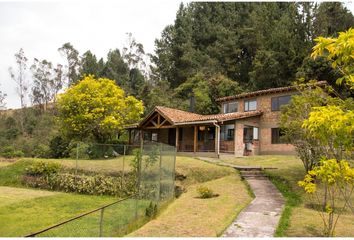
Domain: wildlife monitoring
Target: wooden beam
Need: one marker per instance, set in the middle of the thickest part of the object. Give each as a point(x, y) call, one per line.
point(195, 139)
point(177, 137)
point(130, 137)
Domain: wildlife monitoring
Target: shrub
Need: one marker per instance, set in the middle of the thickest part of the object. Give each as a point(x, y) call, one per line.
point(41, 168)
point(79, 148)
point(10, 152)
point(205, 192)
point(41, 151)
point(151, 210)
point(84, 184)
point(59, 147)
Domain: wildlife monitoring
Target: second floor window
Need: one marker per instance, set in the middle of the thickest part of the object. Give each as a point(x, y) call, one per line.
point(250, 105)
point(230, 107)
point(277, 102)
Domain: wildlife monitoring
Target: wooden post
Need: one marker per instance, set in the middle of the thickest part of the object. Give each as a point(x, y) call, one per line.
point(177, 138)
point(130, 136)
point(195, 139)
point(235, 137)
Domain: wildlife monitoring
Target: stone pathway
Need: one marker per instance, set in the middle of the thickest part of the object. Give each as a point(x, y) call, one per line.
point(261, 217)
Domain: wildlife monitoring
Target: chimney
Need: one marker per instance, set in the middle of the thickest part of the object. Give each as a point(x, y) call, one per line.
point(192, 103)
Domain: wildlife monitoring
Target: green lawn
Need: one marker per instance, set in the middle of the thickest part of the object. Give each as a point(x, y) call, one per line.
point(189, 216)
point(298, 219)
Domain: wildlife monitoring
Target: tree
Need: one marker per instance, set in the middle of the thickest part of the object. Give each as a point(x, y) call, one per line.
point(44, 83)
point(134, 55)
point(293, 116)
point(97, 109)
point(116, 69)
point(339, 51)
point(2, 100)
point(20, 78)
point(331, 18)
point(72, 57)
point(205, 89)
point(89, 65)
point(21, 81)
point(338, 178)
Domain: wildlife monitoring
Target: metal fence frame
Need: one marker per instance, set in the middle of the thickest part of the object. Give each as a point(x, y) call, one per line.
point(170, 152)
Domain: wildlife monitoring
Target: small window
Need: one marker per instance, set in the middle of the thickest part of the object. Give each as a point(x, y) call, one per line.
point(230, 107)
point(227, 132)
point(250, 105)
point(255, 133)
point(277, 102)
point(277, 134)
point(154, 137)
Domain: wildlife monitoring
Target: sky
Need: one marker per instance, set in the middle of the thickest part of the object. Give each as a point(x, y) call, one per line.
point(41, 27)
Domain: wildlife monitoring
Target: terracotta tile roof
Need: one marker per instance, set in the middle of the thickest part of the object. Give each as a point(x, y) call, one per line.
point(177, 116)
point(265, 91)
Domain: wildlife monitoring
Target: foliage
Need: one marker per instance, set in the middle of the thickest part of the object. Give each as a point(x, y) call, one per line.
point(71, 55)
point(134, 164)
point(59, 147)
point(205, 89)
point(339, 51)
point(2, 100)
point(97, 109)
point(333, 127)
point(293, 116)
point(41, 168)
point(337, 178)
point(11, 152)
point(47, 81)
point(83, 184)
point(151, 210)
point(258, 45)
point(205, 192)
point(78, 150)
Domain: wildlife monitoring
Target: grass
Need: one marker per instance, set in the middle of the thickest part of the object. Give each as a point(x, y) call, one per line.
point(190, 216)
point(105, 166)
point(28, 210)
point(298, 219)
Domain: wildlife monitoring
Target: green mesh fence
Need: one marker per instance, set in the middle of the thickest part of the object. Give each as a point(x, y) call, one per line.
point(141, 175)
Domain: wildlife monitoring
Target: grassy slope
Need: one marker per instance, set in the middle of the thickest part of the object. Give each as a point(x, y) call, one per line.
point(189, 216)
point(298, 220)
point(31, 210)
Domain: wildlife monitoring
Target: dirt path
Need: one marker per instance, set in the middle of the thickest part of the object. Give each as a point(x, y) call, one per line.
point(261, 217)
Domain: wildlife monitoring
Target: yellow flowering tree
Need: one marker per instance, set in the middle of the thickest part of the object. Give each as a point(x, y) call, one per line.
point(97, 109)
point(338, 178)
point(340, 51)
point(333, 127)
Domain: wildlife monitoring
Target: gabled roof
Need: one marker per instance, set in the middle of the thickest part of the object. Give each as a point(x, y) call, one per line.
point(266, 91)
point(180, 117)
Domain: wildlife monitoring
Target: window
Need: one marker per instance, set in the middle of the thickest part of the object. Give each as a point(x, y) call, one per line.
point(277, 102)
point(277, 134)
point(227, 132)
point(255, 133)
point(250, 105)
point(230, 107)
point(154, 137)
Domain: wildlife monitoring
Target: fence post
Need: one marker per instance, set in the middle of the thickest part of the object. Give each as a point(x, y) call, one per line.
point(121, 182)
point(160, 165)
point(76, 161)
point(101, 222)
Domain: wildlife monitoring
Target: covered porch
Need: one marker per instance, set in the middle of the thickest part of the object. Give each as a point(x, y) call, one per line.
point(192, 135)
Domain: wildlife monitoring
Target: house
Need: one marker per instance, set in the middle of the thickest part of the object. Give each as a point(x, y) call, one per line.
point(247, 125)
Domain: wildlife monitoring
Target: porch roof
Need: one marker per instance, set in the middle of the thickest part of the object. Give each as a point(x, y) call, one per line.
point(179, 117)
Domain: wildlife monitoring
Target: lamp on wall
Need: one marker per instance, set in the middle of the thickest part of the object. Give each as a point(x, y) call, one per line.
point(201, 128)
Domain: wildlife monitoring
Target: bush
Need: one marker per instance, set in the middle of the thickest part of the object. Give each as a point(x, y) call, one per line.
point(41, 151)
point(59, 147)
point(205, 192)
point(84, 184)
point(10, 152)
point(41, 168)
point(151, 210)
point(79, 148)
